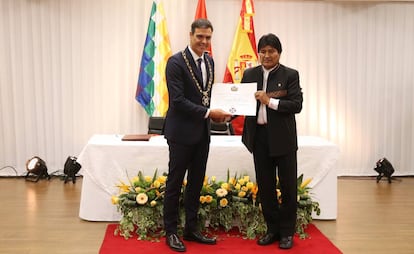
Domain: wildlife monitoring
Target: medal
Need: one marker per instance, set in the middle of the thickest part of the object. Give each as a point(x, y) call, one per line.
point(205, 100)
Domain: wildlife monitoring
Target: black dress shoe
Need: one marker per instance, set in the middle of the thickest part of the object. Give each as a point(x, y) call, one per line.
point(286, 242)
point(198, 237)
point(268, 239)
point(174, 242)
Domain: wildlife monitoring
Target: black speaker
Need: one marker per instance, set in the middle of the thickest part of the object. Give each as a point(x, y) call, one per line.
point(384, 168)
point(71, 168)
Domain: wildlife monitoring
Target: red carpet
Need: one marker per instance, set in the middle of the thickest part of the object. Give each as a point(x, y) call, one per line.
point(317, 243)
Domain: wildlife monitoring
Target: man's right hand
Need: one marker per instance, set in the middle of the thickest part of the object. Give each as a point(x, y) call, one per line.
point(219, 115)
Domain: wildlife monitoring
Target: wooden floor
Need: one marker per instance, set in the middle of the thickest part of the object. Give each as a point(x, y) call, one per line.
point(43, 217)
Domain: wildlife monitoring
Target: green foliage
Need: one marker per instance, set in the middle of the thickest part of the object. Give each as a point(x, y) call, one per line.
point(306, 206)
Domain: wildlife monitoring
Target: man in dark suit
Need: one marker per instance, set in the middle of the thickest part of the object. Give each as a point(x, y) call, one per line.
point(190, 76)
point(272, 138)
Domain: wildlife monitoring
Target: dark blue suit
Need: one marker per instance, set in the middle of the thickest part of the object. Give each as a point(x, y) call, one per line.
point(188, 135)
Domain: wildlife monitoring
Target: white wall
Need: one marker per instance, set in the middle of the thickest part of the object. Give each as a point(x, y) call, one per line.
point(68, 70)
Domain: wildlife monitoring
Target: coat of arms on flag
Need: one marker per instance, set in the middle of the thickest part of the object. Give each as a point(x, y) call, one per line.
point(243, 53)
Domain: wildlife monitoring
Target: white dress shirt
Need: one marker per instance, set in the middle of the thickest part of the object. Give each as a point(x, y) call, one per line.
point(273, 103)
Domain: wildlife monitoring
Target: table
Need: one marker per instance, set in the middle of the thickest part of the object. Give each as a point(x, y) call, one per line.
point(106, 160)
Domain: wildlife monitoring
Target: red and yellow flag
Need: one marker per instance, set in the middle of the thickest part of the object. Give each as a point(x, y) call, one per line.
point(243, 53)
point(201, 13)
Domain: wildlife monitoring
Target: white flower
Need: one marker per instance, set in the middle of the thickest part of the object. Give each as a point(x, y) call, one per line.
point(221, 192)
point(142, 198)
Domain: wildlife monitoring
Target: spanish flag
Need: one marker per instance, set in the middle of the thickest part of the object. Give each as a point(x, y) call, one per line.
point(152, 91)
point(243, 53)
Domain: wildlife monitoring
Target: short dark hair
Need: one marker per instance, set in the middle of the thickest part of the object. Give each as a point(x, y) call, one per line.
point(270, 40)
point(201, 23)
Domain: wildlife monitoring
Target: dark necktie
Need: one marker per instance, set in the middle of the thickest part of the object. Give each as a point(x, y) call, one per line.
point(199, 67)
point(199, 60)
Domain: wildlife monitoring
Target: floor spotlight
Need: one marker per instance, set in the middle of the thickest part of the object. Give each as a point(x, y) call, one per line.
point(384, 168)
point(71, 168)
point(36, 169)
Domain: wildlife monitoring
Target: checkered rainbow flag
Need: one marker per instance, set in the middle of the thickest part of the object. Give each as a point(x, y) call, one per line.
point(152, 91)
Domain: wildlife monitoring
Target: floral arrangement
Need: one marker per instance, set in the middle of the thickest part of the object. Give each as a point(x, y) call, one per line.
point(223, 204)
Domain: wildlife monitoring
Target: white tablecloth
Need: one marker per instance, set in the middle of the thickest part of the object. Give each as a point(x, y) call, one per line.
point(106, 160)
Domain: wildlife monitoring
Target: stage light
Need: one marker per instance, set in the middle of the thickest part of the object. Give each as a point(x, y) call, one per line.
point(36, 169)
point(384, 168)
point(71, 168)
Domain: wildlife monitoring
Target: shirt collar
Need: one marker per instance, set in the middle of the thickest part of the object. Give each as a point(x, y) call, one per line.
point(268, 71)
point(195, 56)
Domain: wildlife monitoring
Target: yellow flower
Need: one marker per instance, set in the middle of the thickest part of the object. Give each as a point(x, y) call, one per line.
point(205, 180)
point(153, 203)
point(241, 194)
point(137, 189)
point(114, 200)
point(221, 192)
point(202, 199)
point(223, 202)
point(135, 179)
point(246, 178)
point(209, 198)
point(244, 188)
point(213, 179)
point(123, 187)
point(156, 184)
point(142, 198)
point(241, 181)
point(255, 189)
point(306, 182)
point(225, 186)
point(232, 181)
point(237, 187)
point(148, 179)
point(162, 179)
point(249, 185)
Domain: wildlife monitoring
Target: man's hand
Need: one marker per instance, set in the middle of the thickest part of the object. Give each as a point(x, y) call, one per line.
point(262, 97)
point(219, 115)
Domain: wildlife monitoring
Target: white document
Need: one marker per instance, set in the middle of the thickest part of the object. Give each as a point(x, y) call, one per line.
point(237, 99)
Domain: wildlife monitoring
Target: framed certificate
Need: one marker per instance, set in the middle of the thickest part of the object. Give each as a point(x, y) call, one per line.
point(237, 99)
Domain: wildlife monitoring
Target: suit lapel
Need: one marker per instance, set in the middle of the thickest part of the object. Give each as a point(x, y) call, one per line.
point(193, 64)
point(260, 78)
